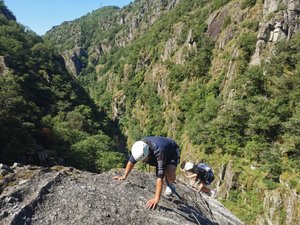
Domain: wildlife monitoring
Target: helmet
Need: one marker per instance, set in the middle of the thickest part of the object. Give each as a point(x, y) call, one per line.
point(140, 150)
point(188, 166)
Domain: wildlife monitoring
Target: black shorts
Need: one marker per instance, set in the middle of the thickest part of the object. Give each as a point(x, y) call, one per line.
point(175, 160)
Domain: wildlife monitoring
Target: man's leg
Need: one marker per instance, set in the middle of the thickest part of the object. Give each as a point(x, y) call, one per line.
point(203, 188)
point(170, 175)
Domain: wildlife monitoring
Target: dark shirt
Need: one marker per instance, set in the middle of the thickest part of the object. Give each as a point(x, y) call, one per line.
point(162, 151)
point(204, 173)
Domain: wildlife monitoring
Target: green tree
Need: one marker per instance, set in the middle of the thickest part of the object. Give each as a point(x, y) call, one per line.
point(95, 153)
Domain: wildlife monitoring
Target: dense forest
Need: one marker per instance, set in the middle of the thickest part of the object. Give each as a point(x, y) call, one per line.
point(46, 117)
point(183, 69)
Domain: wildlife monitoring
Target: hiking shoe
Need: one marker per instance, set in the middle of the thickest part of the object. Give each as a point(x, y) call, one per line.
point(168, 192)
point(168, 196)
point(213, 193)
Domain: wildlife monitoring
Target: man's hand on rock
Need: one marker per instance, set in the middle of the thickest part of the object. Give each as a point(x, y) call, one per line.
point(152, 203)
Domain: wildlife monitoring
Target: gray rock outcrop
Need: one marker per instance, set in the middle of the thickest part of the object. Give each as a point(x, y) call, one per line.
point(73, 60)
point(278, 203)
point(4, 169)
point(215, 22)
point(3, 67)
point(284, 23)
point(60, 195)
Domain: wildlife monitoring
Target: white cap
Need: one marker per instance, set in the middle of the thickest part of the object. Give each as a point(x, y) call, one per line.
point(188, 166)
point(140, 150)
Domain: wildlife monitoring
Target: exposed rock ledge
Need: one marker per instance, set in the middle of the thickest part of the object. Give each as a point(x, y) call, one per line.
point(60, 195)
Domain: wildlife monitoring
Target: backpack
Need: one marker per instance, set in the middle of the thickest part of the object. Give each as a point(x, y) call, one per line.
point(205, 173)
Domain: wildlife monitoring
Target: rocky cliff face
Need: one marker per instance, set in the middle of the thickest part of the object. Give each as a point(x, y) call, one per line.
point(60, 195)
point(3, 67)
point(280, 207)
point(280, 21)
point(73, 60)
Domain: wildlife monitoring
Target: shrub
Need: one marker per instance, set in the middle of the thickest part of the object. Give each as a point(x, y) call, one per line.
point(248, 4)
point(247, 42)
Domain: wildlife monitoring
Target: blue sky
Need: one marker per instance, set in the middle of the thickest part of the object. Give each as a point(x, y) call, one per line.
point(41, 15)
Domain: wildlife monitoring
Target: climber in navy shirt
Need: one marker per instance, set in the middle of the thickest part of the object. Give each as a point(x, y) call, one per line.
point(161, 152)
point(202, 174)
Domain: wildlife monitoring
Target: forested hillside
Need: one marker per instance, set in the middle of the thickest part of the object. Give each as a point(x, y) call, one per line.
point(221, 77)
point(46, 117)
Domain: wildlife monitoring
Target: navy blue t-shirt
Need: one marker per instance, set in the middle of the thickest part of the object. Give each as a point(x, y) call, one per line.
point(204, 173)
point(162, 151)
